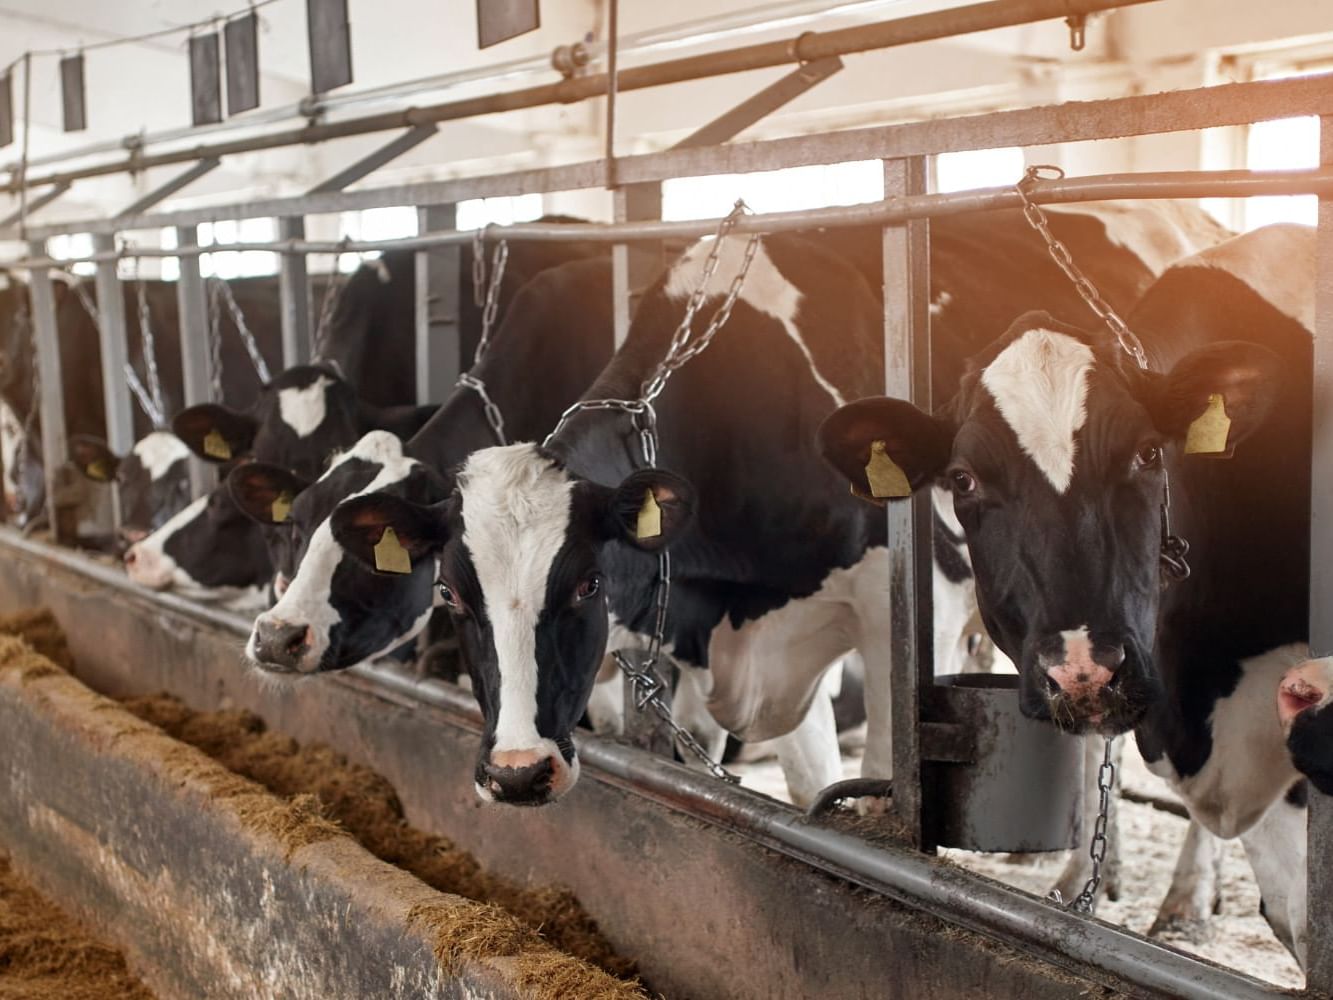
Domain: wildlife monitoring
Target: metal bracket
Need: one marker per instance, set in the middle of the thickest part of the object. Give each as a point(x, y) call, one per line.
point(181, 180)
point(41, 201)
point(754, 109)
point(368, 164)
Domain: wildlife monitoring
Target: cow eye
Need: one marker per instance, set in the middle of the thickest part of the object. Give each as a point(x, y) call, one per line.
point(449, 597)
point(963, 483)
point(588, 588)
point(1148, 457)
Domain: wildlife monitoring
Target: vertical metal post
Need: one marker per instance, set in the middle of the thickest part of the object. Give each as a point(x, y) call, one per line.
point(1319, 966)
point(634, 266)
point(439, 280)
point(196, 349)
point(111, 336)
point(47, 359)
point(907, 376)
point(294, 290)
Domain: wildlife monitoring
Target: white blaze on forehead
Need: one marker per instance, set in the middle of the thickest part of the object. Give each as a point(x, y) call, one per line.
point(1040, 386)
point(307, 599)
point(1277, 261)
point(303, 409)
point(516, 508)
point(765, 290)
point(158, 452)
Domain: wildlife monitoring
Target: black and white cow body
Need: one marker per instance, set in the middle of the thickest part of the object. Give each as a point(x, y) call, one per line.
point(334, 612)
point(1054, 449)
point(210, 550)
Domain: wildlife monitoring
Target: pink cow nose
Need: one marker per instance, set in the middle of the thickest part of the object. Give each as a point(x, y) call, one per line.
point(1303, 687)
point(1073, 670)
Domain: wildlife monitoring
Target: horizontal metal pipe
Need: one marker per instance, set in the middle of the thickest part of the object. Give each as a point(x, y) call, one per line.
point(1104, 187)
point(951, 893)
point(803, 48)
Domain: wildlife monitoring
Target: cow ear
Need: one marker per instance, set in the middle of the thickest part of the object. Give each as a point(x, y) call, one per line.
point(362, 525)
point(93, 458)
point(890, 441)
point(650, 509)
point(264, 492)
point(215, 433)
point(1216, 397)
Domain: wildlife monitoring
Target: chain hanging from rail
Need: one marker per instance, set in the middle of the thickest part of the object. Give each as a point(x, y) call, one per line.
point(220, 293)
point(132, 381)
point(1086, 900)
point(328, 306)
point(148, 341)
point(487, 297)
point(644, 677)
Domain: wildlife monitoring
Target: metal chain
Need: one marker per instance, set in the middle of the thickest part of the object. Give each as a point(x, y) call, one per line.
point(1037, 219)
point(1174, 549)
point(332, 294)
point(215, 343)
point(647, 682)
point(149, 342)
point(136, 387)
point(1086, 900)
point(490, 307)
point(223, 292)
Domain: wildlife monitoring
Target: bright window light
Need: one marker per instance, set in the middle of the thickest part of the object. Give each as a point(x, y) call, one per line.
point(477, 212)
point(978, 168)
point(392, 223)
point(227, 264)
point(786, 190)
point(1285, 144)
point(72, 245)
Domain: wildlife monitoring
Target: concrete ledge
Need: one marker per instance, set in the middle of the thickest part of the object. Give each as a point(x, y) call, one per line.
point(215, 888)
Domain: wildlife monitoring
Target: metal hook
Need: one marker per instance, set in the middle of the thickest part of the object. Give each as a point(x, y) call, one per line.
point(1078, 27)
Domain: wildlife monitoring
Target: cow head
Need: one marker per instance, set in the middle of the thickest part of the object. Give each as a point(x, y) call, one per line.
point(1303, 701)
point(153, 479)
point(522, 553)
point(1054, 450)
point(331, 611)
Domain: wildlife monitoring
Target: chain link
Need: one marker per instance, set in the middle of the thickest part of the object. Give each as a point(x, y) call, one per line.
point(215, 341)
point(489, 303)
point(1086, 901)
point(1038, 220)
point(148, 340)
point(222, 293)
point(132, 381)
point(644, 678)
point(332, 295)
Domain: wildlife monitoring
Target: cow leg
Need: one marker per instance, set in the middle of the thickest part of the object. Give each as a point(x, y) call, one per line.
point(689, 708)
point(809, 754)
point(1078, 869)
point(1193, 895)
point(1275, 847)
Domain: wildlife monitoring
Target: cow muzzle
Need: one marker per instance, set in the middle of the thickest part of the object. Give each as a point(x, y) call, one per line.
point(533, 777)
point(1304, 687)
point(149, 567)
point(1082, 678)
point(280, 646)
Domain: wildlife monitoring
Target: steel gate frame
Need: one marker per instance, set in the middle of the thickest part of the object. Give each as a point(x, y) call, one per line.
point(904, 150)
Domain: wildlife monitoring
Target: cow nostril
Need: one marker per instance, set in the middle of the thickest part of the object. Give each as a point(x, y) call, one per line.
point(131, 557)
point(1052, 685)
point(295, 643)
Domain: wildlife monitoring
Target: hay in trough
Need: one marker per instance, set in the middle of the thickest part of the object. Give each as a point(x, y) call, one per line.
point(39, 628)
point(45, 955)
point(365, 804)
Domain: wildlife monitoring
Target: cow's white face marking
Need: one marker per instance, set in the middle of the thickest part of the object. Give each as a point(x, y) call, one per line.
point(159, 451)
point(1277, 261)
point(1040, 386)
point(303, 410)
point(516, 509)
point(765, 290)
point(307, 597)
point(151, 565)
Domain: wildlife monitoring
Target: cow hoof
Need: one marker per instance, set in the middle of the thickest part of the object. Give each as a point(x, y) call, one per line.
point(878, 789)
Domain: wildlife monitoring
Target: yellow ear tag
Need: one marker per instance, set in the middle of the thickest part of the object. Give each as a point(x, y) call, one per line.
point(884, 476)
point(215, 446)
point(97, 471)
point(282, 506)
point(650, 518)
point(1208, 434)
point(390, 556)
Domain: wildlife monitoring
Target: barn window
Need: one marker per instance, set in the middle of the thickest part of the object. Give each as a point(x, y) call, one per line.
point(227, 264)
point(774, 190)
point(978, 168)
point(72, 245)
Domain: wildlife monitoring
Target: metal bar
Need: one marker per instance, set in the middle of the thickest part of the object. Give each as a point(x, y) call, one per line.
point(196, 354)
point(806, 47)
point(41, 201)
point(1075, 121)
point(1319, 858)
point(371, 162)
point(163, 191)
point(776, 95)
point(907, 376)
point(52, 402)
point(294, 294)
point(1105, 187)
point(115, 355)
point(439, 354)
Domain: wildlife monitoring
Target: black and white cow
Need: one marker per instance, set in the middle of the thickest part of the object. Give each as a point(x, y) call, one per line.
point(153, 479)
point(333, 612)
point(1304, 697)
point(1055, 448)
point(210, 550)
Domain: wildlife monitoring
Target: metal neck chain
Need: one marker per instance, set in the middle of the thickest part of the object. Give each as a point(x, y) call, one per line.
point(158, 414)
point(222, 293)
point(646, 681)
point(489, 303)
point(1086, 900)
point(332, 295)
point(136, 387)
point(1174, 549)
point(215, 343)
